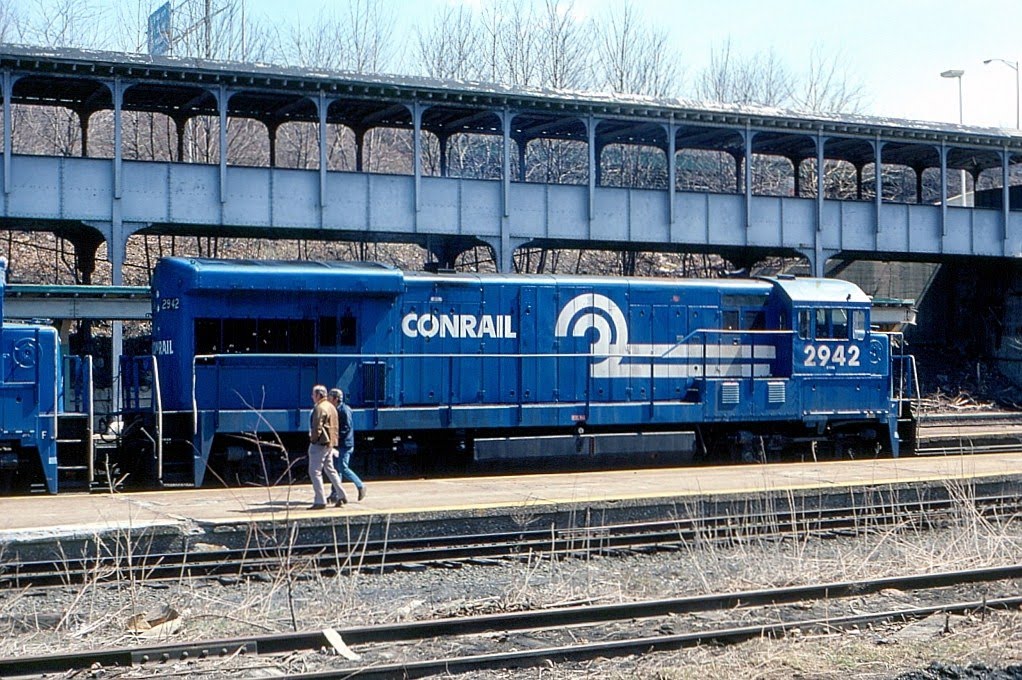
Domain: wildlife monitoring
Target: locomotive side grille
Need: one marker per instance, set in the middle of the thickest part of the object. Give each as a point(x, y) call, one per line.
point(374, 382)
point(729, 393)
point(775, 393)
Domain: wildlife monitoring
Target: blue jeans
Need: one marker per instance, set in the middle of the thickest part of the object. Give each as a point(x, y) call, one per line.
point(344, 470)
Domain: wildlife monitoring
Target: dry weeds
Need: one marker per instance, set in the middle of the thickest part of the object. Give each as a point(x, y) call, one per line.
point(296, 595)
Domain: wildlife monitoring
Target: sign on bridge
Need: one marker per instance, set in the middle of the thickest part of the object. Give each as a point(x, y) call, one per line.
point(159, 31)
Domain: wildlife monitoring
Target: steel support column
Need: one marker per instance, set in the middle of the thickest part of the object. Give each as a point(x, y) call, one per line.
point(221, 103)
point(672, 167)
point(443, 138)
point(943, 193)
point(523, 146)
point(878, 172)
point(505, 256)
point(83, 126)
point(118, 96)
point(360, 141)
point(117, 246)
point(748, 134)
point(417, 157)
point(271, 132)
point(180, 124)
point(322, 106)
point(8, 85)
point(591, 123)
point(1005, 200)
point(820, 264)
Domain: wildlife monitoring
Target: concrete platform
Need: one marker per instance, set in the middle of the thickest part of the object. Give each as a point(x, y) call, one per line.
point(182, 518)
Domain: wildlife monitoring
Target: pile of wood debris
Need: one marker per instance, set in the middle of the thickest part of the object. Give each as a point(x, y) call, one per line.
point(951, 384)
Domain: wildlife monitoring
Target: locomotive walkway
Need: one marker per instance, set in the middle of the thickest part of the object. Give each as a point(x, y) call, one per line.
point(65, 524)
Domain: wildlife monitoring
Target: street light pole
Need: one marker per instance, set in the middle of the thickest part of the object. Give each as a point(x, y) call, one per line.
point(958, 73)
point(1013, 65)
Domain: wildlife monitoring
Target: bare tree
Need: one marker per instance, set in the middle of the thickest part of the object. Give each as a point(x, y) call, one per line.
point(68, 23)
point(369, 26)
point(635, 58)
point(12, 23)
point(760, 79)
point(826, 86)
point(564, 47)
point(451, 46)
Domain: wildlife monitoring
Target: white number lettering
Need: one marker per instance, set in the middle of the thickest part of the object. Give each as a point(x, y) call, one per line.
point(838, 355)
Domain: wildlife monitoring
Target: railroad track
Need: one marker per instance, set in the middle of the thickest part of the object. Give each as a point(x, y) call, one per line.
point(456, 550)
point(941, 434)
point(196, 653)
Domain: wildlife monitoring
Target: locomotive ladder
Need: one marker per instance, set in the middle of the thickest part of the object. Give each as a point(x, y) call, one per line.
point(76, 450)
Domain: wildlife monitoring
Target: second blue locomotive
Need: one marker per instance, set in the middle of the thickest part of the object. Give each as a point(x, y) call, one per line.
point(508, 367)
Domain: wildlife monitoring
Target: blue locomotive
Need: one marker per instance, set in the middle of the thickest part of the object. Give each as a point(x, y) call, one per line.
point(442, 366)
point(45, 408)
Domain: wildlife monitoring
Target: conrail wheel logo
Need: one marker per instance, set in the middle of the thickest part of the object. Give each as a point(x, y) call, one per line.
point(598, 317)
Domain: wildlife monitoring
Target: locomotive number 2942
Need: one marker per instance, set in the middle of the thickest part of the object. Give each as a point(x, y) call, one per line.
point(824, 355)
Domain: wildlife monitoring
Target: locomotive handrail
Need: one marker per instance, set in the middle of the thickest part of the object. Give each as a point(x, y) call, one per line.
point(198, 358)
point(56, 388)
point(158, 398)
point(90, 446)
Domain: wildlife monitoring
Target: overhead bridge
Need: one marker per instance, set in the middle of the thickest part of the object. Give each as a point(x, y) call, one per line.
point(543, 169)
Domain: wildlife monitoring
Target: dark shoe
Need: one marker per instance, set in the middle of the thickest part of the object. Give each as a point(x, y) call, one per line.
point(317, 506)
point(331, 499)
point(340, 502)
point(362, 493)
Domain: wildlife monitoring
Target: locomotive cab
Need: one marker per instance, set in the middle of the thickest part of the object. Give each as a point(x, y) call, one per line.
point(840, 362)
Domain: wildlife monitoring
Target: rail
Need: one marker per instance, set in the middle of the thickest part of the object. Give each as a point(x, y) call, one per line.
point(381, 554)
point(155, 657)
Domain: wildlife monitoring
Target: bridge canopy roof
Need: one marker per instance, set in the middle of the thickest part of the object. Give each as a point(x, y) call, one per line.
point(182, 88)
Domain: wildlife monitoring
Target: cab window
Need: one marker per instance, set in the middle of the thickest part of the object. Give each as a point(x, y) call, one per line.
point(832, 324)
point(858, 324)
point(805, 324)
point(254, 336)
point(839, 323)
